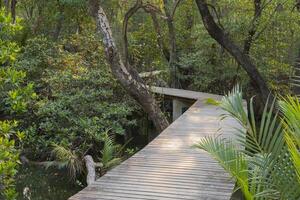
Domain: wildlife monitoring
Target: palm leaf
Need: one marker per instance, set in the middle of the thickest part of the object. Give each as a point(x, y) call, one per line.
point(236, 162)
point(67, 158)
point(290, 108)
point(262, 147)
point(257, 140)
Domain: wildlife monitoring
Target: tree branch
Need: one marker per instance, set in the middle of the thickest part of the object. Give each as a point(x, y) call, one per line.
point(253, 28)
point(128, 15)
point(159, 36)
point(172, 44)
point(175, 8)
point(217, 15)
point(243, 59)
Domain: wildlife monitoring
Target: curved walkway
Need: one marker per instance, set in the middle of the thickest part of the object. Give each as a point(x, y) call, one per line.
point(169, 167)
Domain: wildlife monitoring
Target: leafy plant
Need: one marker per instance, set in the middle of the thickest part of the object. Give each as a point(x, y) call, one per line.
point(15, 96)
point(9, 158)
point(212, 101)
point(290, 108)
point(78, 97)
point(69, 159)
point(73, 160)
point(109, 153)
point(258, 157)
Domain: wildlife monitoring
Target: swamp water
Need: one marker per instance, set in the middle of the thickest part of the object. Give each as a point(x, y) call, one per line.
point(45, 184)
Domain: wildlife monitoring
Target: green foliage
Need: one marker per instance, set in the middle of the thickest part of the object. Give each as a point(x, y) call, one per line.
point(208, 67)
point(60, 89)
point(79, 98)
point(259, 161)
point(109, 153)
point(66, 158)
point(290, 108)
point(15, 96)
point(9, 156)
point(8, 47)
point(212, 101)
point(144, 51)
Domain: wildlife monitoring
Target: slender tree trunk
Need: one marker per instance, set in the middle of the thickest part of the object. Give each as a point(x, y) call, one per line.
point(39, 19)
point(59, 22)
point(13, 10)
point(250, 36)
point(173, 59)
point(124, 74)
point(252, 31)
point(159, 36)
point(79, 28)
point(243, 59)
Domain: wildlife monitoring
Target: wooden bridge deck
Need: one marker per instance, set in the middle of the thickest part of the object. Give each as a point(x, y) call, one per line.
point(169, 167)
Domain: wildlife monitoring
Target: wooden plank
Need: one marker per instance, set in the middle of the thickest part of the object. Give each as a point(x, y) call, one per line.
point(184, 93)
point(169, 167)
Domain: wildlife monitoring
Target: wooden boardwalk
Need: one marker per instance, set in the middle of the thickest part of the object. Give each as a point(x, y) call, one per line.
point(169, 167)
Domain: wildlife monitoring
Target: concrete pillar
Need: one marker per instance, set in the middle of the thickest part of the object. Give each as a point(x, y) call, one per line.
point(179, 107)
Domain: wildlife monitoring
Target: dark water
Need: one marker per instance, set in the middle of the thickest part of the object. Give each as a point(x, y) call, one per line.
point(52, 184)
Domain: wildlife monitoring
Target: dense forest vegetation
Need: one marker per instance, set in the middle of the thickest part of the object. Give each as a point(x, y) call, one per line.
point(70, 84)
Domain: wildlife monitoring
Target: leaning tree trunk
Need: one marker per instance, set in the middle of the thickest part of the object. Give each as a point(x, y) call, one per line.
point(243, 59)
point(131, 82)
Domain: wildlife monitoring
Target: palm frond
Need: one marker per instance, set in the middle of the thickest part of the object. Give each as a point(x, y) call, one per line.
point(232, 160)
point(290, 108)
point(259, 139)
point(261, 161)
point(67, 158)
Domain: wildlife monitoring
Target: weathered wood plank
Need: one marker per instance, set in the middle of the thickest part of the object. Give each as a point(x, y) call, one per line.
point(169, 167)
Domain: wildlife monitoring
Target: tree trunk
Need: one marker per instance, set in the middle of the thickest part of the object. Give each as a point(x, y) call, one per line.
point(38, 20)
point(59, 22)
point(124, 74)
point(159, 36)
point(243, 59)
point(13, 10)
point(173, 59)
point(250, 36)
point(252, 31)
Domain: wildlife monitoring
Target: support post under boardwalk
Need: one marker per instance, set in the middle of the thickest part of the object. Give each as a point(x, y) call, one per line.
point(179, 107)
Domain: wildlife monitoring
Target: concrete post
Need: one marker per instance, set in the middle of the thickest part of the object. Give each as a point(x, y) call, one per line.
point(179, 107)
